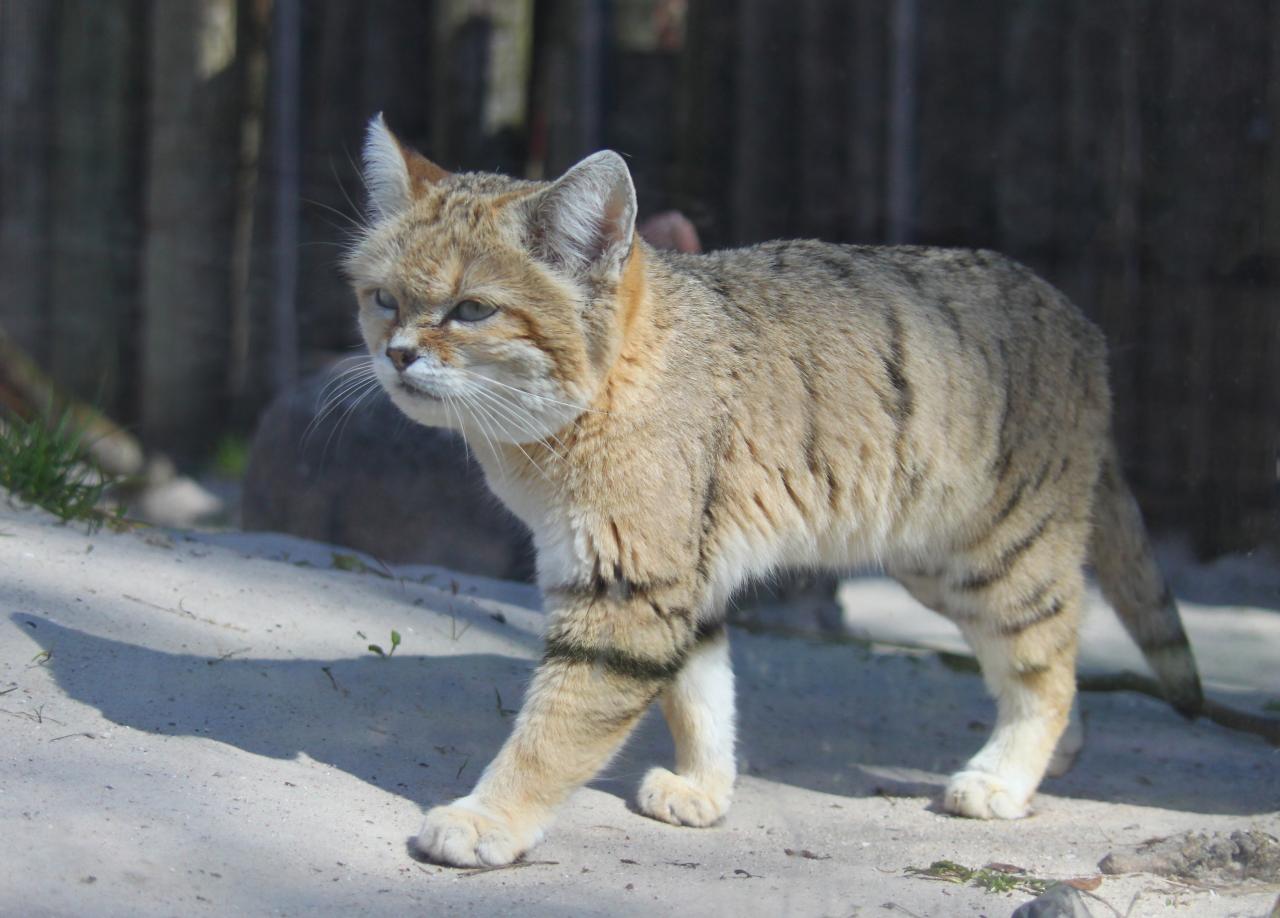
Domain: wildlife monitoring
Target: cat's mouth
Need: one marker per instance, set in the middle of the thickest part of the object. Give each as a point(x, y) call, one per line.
point(405, 386)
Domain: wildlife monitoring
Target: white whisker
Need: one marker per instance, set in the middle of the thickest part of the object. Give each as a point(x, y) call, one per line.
point(345, 418)
point(342, 187)
point(340, 400)
point(543, 398)
point(360, 227)
point(340, 379)
point(347, 389)
point(457, 415)
point(511, 414)
point(541, 471)
point(485, 432)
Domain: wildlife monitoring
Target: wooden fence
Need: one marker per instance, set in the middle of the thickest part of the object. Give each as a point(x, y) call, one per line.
point(175, 175)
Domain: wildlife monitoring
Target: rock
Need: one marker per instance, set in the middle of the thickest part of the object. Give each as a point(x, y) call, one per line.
point(366, 477)
point(178, 502)
point(1058, 901)
point(375, 481)
point(1215, 859)
point(671, 230)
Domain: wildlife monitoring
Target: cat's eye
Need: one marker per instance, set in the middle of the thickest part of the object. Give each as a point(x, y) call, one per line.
point(384, 300)
point(472, 311)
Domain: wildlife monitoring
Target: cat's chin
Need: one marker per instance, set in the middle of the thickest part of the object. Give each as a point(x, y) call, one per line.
point(412, 392)
point(421, 407)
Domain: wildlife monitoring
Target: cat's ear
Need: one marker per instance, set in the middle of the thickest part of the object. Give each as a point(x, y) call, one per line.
point(586, 220)
point(394, 173)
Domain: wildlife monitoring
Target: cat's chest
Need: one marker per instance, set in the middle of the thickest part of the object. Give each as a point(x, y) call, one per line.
point(556, 529)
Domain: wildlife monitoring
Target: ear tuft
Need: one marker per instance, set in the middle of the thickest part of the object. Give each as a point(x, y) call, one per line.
point(392, 171)
point(386, 174)
point(586, 220)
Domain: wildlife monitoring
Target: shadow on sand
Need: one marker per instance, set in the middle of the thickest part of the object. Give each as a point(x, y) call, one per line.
point(832, 718)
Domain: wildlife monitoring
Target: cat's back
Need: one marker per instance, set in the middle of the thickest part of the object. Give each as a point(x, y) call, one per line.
point(925, 378)
point(797, 281)
point(970, 317)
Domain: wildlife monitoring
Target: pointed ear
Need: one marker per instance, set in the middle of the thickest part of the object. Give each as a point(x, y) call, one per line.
point(586, 220)
point(393, 173)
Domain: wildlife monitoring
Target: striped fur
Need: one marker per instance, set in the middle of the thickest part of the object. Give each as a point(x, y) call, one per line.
point(669, 426)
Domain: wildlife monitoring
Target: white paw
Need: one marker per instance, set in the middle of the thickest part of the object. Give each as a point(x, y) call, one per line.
point(464, 834)
point(669, 797)
point(980, 795)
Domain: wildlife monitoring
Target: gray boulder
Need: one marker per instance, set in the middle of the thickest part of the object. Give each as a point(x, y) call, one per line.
point(362, 475)
point(366, 477)
point(1058, 901)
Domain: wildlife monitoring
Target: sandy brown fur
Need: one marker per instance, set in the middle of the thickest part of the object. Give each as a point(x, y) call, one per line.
point(944, 413)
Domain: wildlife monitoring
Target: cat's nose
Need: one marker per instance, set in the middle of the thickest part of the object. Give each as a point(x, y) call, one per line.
point(402, 356)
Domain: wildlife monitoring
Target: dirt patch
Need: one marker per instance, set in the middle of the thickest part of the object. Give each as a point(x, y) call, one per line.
point(1213, 859)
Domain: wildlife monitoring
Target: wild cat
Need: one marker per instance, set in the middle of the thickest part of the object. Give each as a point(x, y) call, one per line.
point(669, 426)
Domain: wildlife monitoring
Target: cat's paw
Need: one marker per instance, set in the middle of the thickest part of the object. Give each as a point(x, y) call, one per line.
point(672, 798)
point(981, 795)
point(466, 834)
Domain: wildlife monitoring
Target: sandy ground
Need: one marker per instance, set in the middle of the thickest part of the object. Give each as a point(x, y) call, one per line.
point(192, 724)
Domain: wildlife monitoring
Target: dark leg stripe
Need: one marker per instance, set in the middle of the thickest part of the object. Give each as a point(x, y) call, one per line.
point(599, 585)
point(622, 717)
point(1036, 596)
point(615, 661)
point(1029, 670)
point(983, 579)
point(1053, 610)
point(625, 664)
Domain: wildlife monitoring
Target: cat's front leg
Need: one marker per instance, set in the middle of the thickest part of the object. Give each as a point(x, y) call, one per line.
point(607, 657)
point(699, 708)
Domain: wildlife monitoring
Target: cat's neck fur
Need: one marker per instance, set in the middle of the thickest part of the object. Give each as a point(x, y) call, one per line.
point(531, 477)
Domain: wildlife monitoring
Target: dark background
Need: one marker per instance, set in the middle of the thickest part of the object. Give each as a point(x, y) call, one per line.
point(177, 176)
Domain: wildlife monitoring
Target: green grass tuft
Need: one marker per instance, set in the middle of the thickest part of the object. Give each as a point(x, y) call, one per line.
point(996, 878)
point(231, 457)
point(44, 462)
point(376, 648)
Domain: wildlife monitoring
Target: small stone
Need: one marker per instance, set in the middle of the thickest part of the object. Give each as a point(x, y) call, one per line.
point(1058, 901)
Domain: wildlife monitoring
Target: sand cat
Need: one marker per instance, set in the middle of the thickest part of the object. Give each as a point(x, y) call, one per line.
point(669, 426)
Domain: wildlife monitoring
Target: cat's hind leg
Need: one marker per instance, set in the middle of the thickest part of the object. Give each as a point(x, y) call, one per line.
point(928, 589)
point(1026, 645)
point(699, 708)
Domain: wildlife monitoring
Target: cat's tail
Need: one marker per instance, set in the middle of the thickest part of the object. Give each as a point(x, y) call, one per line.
point(1132, 582)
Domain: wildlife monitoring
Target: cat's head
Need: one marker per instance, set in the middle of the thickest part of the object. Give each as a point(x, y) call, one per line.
point(488, 303)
